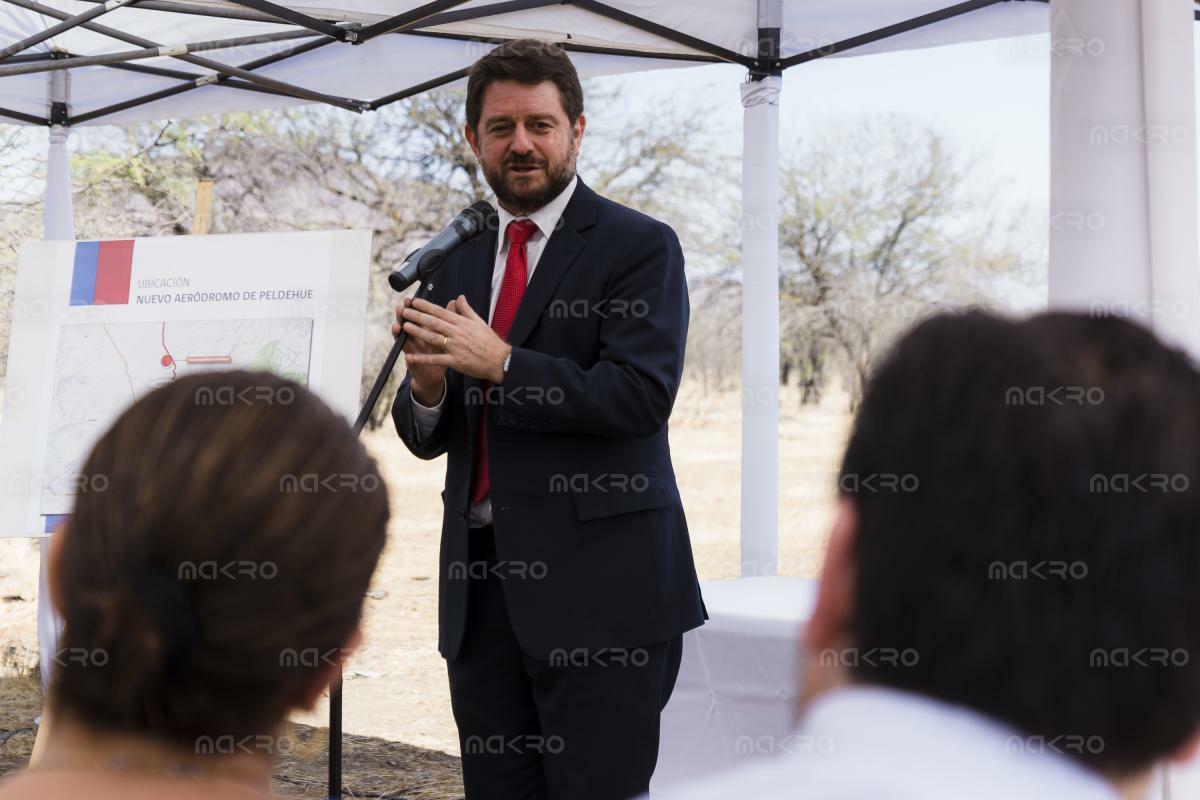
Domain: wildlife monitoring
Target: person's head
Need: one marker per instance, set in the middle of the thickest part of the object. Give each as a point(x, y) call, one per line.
point(218, 578)
point(525, 121)
point(1019, 533)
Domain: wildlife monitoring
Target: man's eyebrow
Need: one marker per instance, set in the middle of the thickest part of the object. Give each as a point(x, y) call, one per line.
point(508, 118)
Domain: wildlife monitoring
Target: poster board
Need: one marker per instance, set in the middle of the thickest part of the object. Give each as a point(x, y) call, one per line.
point(97, 325)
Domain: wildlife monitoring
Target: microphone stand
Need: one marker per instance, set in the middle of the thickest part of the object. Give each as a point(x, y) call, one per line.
point(425, 272)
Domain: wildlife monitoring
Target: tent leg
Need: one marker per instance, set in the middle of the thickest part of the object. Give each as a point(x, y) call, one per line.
point(1123, 209)
point(760, 310)
point(58, 223)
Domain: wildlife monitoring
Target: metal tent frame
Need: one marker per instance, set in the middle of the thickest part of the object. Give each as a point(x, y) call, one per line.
point(320, 32)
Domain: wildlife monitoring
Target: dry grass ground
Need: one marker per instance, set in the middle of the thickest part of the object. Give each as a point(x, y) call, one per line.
point(401, 736)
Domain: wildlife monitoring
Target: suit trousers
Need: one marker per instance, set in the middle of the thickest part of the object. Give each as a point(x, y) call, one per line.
point(581, 725)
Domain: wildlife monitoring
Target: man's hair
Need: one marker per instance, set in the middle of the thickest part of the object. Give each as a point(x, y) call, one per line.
point(526, 61)
point(1029, 531)
point(217, 563)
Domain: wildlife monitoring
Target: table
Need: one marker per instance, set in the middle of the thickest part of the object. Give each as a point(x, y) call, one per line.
point(735, 697)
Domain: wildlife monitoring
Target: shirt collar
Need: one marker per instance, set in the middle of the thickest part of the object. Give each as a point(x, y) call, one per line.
point(546, 218)
point(870, 722)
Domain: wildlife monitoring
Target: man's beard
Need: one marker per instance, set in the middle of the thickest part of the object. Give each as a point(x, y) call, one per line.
point(530, 200)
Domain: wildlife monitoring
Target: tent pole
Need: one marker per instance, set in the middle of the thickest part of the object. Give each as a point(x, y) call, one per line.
point(221, 68)
point(1123, 231)
point(760, 300)
point(1123, 208)
point(58, 223)
point(197, 82)
point(65, 25)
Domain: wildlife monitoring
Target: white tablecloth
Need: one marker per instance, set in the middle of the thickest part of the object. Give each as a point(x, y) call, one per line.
point(736, 693)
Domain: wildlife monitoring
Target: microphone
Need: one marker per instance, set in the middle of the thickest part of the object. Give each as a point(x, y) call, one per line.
point(422, 263)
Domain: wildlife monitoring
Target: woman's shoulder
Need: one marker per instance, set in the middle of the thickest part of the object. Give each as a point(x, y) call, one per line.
point(96, 785)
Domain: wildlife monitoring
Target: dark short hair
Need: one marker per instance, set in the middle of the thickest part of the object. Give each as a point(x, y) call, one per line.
point(220, 562)
point(526, 61)
point(1029, 530)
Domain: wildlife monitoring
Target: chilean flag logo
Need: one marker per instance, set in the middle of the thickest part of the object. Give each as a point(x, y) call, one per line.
point(102, 273)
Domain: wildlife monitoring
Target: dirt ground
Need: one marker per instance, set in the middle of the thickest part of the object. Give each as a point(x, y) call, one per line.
point(395, 686)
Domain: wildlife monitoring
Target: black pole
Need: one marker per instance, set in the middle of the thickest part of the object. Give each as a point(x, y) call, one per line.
point(334, 791)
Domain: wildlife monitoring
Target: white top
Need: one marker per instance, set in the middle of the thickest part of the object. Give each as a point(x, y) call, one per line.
point(868, 743)
point(547, 219)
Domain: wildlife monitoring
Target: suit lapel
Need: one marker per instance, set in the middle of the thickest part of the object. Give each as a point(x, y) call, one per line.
point(474, 280)
point(562, 249)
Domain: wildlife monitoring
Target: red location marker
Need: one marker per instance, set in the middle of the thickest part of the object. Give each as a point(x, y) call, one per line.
point(166, 360)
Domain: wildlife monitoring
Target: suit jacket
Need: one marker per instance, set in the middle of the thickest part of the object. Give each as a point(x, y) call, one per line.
point(590, 531)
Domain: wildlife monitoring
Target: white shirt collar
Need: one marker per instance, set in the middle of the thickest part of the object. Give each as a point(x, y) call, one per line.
point(546, 218)
point(937, 745)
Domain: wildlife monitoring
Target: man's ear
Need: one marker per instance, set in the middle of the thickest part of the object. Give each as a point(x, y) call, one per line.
point(472, 139)
point(830, 621)
point(328, 671)
point(580, 125)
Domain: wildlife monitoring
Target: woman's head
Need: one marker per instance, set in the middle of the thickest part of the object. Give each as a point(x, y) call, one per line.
point(214, 583)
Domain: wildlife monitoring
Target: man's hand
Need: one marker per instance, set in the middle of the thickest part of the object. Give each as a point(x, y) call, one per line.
point(455, 336)
point(428, 380)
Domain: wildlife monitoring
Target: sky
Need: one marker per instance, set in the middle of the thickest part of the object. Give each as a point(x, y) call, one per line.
point(989, 99)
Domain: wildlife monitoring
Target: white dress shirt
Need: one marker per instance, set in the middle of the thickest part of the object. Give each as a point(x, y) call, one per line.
point(870, 743)
point(546, 219)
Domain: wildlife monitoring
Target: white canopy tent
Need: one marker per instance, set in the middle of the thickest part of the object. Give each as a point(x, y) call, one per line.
point(1123, 200)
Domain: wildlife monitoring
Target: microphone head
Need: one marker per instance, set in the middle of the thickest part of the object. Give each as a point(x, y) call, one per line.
point(477, 213)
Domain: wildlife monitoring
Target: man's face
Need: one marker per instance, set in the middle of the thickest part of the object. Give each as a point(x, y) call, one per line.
point(525, 144)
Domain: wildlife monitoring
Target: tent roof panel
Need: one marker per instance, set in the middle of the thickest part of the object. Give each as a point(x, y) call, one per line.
point(718, 28)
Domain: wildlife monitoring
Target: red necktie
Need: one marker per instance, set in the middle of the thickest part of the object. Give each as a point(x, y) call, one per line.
point(512, 289)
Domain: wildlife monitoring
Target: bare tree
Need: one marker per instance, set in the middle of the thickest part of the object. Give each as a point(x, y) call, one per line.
point(877, 230)
point(20, 215)
point(401, 173)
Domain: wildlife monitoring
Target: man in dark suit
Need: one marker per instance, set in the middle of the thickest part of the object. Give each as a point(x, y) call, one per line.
point(545, 367)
